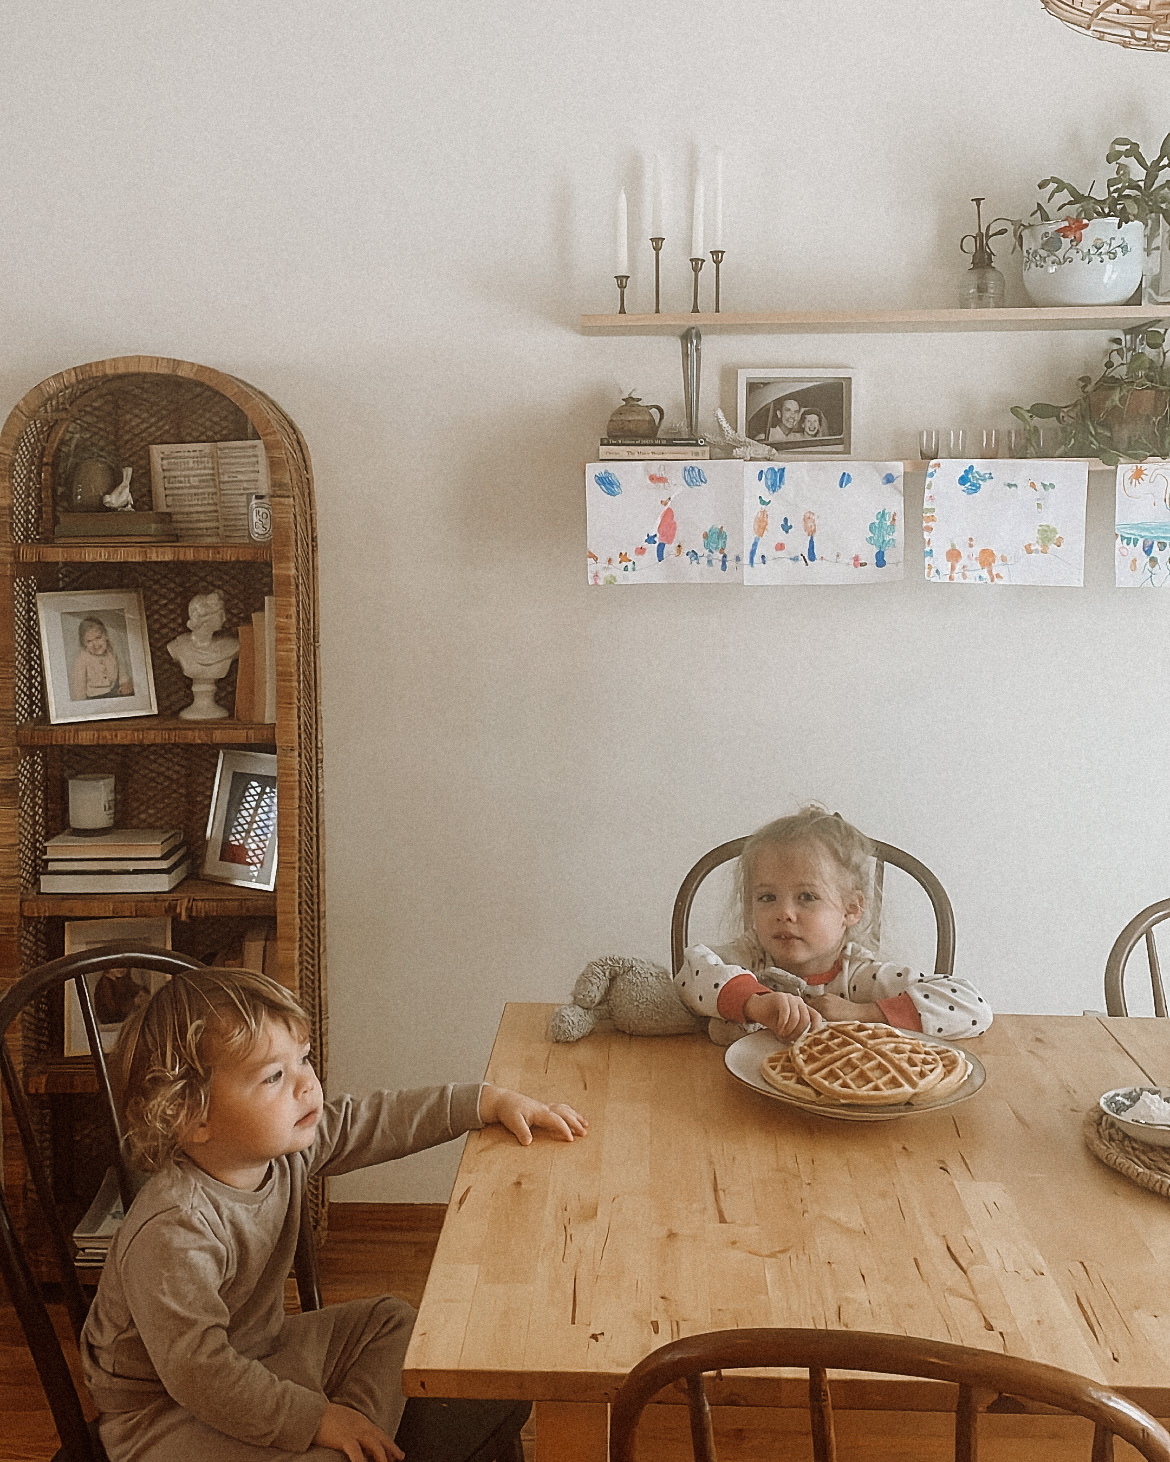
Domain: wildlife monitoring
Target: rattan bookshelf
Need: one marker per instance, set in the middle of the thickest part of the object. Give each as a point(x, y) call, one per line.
point(164, 766)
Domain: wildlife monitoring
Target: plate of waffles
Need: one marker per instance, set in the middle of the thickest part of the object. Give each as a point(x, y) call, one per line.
point(856, 1071)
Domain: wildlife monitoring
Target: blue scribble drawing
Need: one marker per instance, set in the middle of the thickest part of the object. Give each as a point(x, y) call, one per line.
point(608, 483)
point(772, 478)
point(971, 481)
point(845, 479)
point(785, 525)
point(888, 477)
point(715, 540)
point(694, 476)
point(764, 502)
point(692, 556)
point(882, 535)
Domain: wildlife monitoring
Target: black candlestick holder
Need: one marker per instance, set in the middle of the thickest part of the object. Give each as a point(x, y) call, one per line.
point(717, 260)
point(696, 265)
point(656, 243)
point(622, 281)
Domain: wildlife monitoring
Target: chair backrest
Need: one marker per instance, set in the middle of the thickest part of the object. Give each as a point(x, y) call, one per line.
point(820, 1351)
point(48, 983)
point(1141, 926)
point(944, 916)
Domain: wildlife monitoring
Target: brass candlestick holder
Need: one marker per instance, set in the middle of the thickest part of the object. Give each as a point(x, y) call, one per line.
point(717, 260)
point(656, 244)
point(622, 281)
point(696, 265)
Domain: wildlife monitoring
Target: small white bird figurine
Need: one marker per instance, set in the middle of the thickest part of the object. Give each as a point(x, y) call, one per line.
point(119, 498)
point(746, 449)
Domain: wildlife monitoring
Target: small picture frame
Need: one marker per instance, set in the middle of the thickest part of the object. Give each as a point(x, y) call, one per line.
point(96, 655)
point(805, 412)
point(114, 992)
point(241, 829)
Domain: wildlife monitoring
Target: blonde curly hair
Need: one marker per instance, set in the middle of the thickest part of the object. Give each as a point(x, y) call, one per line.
point(848, 855)
point(170, 1044)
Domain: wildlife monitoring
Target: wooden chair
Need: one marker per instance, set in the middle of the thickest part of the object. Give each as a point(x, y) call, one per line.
point(1140, 926)
point(819, 1351)
point(79, 1440)
point(944, 916)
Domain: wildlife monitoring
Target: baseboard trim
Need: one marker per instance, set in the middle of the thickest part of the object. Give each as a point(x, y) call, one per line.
point(399, 1217)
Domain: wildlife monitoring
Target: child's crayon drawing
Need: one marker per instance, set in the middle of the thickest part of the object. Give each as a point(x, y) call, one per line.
point(664, 522)
point(1143, 525)
point(823, 523)
point(1005, 522)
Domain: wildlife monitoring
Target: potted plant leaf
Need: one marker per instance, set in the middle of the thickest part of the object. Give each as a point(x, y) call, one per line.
point(1094, 252)
point(1122, 415)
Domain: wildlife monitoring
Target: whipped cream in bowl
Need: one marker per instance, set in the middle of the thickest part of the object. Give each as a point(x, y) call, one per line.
point(1142, 1111)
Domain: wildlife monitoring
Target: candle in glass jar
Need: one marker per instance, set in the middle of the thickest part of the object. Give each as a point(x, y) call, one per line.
point(621, 237)
point(697, 221)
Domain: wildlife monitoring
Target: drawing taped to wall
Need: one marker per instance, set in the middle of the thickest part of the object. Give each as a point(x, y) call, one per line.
point(1005, 522)
point(1143, 525)
point(664, 522)
point(822, 523)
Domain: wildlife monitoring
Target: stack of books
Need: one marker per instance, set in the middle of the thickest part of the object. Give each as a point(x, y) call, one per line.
point(93, 1235)
point(256, 667)
point(116, 860)
point(654, 449)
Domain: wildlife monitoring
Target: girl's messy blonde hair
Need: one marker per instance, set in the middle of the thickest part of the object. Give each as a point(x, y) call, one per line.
point(169, 1045)
point(847, 853)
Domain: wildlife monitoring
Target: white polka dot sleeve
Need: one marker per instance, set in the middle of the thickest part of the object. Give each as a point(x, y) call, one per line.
point(947, 1005)
point(701, 977)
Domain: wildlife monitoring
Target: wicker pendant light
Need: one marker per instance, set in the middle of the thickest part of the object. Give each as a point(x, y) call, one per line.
point(1143, 25)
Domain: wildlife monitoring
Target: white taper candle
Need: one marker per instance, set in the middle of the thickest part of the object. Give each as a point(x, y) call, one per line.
point(622, 237)
point(697, 221)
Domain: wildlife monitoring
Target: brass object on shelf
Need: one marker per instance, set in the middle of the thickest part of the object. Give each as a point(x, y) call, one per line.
point(696, 265)
point(656, 244)
point(717, 257)
point(622, 280)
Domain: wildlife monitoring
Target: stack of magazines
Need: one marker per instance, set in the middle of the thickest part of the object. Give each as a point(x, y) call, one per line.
point(116, 860)
point(93, 1235)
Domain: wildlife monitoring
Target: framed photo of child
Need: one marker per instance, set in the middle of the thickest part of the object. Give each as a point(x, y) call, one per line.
point(114, 993)
point(96, 655)
point(799, 411)
point(241, 829)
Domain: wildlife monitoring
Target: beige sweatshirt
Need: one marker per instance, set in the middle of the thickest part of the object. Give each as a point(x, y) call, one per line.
point(191, 1298)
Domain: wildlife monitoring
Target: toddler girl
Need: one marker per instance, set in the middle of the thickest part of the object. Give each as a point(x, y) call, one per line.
point(801, 885)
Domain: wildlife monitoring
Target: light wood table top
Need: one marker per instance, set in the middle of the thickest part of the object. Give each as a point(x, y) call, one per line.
point(697, 1204)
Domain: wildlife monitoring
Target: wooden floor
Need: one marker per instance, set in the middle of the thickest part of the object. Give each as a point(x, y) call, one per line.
point(372, 1249)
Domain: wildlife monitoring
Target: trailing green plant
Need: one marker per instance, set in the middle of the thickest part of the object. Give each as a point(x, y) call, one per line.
point(1137, 191)
point(1123, 415)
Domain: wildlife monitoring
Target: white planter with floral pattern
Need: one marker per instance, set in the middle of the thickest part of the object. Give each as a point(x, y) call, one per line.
point(1073, 262)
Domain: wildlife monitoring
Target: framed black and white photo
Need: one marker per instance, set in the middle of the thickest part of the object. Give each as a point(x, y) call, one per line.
point(241, 830)
point(96, 655)
point(798, 411)
point(114, 993)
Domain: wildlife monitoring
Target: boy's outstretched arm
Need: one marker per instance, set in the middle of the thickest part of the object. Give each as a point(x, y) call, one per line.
point(520, 1113)
point(348, 1431)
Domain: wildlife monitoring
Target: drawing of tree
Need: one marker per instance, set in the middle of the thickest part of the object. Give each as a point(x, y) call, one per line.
point(882, 535)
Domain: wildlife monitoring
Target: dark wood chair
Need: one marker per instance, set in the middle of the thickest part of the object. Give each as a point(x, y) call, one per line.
point(944, 916)
point(820, 1351)
point(79, 1440)
point(1141, 926)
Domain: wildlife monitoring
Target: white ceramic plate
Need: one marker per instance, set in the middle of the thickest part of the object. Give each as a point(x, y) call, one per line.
point(743, 1058)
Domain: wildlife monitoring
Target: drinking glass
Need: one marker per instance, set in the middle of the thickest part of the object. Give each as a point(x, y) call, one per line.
point(1016, 442)
point(989, 442)
point(929, 440)
point(957, 441)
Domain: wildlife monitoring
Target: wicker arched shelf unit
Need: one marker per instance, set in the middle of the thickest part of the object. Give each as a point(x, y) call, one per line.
point(164, 766)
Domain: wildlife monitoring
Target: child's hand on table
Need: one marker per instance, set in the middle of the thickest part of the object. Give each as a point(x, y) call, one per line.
point(520, 1113)
point(836, 1007)
point(786, 1016)
point(350, 1432)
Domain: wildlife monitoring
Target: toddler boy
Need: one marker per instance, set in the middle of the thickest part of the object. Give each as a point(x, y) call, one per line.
point(187, 1349)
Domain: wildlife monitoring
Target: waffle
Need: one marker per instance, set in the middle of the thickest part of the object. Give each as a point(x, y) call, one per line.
point(778, 1069)
point(867, 1065)
point(956, 1069)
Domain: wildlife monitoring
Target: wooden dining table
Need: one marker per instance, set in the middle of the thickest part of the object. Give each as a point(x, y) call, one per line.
point(696, 1203)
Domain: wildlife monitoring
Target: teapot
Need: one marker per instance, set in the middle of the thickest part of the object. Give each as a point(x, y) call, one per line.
point(632, 420)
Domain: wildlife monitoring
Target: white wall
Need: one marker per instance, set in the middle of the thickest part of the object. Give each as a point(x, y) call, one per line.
point(389, 218)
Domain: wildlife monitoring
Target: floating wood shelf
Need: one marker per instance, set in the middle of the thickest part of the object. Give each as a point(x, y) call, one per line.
point(76, 552)
point(147, 731)
point(881, 322)
point(194, 898)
